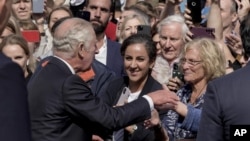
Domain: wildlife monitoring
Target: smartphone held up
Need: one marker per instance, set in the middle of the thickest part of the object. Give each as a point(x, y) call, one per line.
point(83, 15)
point(177, 72)
point(144, 29)
point(195, 7)
point(38, 6)
point(124, 96)
point(31, 35)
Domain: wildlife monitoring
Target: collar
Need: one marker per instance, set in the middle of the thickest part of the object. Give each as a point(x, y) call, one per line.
point(67, 64)
point(87, 75)
point(105, 42)
point(177, 60)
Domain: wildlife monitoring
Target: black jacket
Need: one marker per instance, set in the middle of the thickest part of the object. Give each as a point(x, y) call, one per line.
point(113, 94)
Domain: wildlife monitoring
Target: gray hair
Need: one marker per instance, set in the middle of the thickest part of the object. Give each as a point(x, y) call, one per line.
point(174, 19)
point(79, 32)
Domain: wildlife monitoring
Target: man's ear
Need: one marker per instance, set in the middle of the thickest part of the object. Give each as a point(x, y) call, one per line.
point(235, 17)
point(110, 16)
point(152, 64)
point(81, 50)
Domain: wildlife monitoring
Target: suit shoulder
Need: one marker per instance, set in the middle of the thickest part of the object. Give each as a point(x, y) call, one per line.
point(113, 44)
point(118, 81)
point(99, 67)
point(155, 84)
point(234, 77)
point(74, 79)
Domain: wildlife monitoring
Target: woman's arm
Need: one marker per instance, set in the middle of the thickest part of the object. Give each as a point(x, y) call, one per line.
point(191, 114)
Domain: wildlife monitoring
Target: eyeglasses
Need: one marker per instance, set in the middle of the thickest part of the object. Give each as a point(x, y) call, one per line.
point(191, 62)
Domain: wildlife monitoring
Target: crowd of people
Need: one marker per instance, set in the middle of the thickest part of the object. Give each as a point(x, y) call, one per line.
point(123, 70)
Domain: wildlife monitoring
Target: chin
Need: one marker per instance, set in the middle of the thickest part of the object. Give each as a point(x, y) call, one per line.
point(134, 80)
point(168, 56)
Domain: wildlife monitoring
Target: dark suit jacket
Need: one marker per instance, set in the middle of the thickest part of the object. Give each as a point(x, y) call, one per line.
point(114, 58)
point(112, 96)
point(102, 78)
point(14, 117)
point(103, 75)
point(63, 108)
point(227, 102)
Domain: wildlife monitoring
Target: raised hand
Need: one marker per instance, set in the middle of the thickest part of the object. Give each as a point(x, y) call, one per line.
point(174, 84)
point(188, 18)
point(234, 43)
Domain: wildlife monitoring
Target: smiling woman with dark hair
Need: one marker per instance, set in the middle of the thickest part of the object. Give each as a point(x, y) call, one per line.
point(139, 53)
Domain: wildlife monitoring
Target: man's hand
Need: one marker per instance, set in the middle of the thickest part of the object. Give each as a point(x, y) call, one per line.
point(164, 99)
point(234, 43)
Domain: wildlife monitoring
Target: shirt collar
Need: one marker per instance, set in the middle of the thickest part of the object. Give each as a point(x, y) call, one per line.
point(65, 62)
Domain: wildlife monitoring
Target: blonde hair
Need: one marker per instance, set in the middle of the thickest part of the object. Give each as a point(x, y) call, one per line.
point(214, 62)
point(128, 18)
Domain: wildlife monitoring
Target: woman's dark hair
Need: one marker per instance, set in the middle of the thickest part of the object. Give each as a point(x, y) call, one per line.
point(144, 39)
point(154, 29)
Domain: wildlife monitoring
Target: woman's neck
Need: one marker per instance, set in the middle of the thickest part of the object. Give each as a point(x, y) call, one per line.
point(137, 86)
point(197, 90)
point(199, 87)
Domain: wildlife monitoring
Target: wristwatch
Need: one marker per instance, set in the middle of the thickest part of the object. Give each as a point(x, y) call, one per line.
point(134, 128)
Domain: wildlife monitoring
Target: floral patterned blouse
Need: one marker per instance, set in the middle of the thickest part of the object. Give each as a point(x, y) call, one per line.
point(179, 127)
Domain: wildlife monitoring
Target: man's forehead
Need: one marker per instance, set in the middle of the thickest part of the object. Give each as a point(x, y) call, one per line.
point(100, 3)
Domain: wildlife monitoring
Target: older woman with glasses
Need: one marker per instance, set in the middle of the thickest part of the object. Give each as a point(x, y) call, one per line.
point(202, 61)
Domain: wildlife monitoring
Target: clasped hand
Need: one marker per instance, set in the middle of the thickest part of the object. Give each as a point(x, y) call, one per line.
point(164, 99)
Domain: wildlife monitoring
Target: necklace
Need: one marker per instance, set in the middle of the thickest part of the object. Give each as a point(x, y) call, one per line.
point(195, 97)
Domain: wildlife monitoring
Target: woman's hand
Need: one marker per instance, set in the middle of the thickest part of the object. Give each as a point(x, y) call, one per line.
point(131, 128)
point(174, 84)
point(96, 138)
point(154, 121)
point(181, 109)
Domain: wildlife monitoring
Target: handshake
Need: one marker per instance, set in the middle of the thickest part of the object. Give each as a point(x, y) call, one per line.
point(164, 99)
